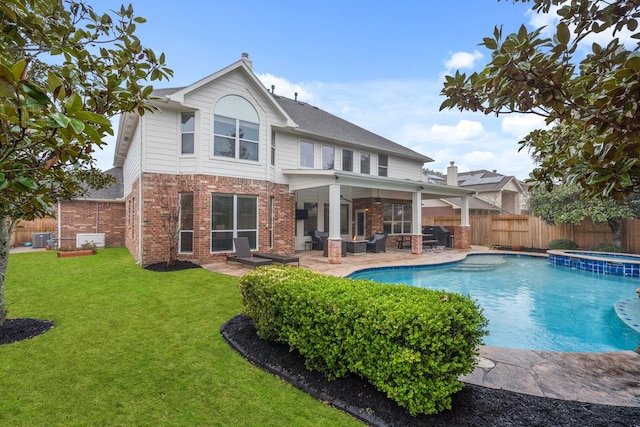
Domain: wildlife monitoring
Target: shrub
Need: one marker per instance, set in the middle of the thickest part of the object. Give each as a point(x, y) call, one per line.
point(563, 244)
point(606, 247)
point(410, 343)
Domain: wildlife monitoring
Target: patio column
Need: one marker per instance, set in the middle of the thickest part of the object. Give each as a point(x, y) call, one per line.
point(416, 223)
point(462, 234)
point(334, 242)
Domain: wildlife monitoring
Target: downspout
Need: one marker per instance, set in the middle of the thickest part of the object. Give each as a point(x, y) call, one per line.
point(97, 217)
point(59, 224)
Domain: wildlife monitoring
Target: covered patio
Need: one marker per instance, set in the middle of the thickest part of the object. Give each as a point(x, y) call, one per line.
point(351, 206)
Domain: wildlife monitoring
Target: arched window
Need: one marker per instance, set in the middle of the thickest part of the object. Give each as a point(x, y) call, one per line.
point(236, 129)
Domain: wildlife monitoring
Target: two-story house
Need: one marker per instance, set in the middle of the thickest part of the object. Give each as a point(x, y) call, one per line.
point(231, 158)
point(495, 194)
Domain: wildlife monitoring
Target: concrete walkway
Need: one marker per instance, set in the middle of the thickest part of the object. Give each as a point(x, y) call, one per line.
point(604, 378)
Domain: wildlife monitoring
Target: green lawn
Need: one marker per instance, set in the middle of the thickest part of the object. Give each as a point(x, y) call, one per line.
point(133, 347)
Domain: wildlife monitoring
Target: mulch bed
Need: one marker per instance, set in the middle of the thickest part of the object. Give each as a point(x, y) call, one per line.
point(473, 406)
point(179, 265)
point(13, 330)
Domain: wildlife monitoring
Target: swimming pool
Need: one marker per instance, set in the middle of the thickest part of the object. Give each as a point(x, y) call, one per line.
point(530, 303)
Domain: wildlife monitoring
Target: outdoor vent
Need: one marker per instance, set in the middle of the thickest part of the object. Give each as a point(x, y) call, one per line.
point(95, 238)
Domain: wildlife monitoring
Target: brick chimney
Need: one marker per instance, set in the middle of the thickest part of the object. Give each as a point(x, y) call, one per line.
point(452, 174)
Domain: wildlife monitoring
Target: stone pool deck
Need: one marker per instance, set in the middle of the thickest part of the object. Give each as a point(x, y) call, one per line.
point(605, 378)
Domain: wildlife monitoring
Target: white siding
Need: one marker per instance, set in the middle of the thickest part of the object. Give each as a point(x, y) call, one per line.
point(161, 136)
point(132, 163)
point(205, 100)
point(401, 168)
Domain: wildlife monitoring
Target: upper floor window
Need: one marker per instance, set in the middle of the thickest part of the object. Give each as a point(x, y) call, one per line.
point(306, 154)
point(365, 163)
point(328, 157)
point(383, 164)
point(347, 160)
point(187, 130)
point(236, 129)
point(273, 147)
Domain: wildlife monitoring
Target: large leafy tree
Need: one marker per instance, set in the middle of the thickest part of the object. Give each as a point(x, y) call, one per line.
point(564, 204)
point(65, 70)
point(592, 99)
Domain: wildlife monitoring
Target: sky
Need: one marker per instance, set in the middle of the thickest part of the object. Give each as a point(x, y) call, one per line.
point(380, 65)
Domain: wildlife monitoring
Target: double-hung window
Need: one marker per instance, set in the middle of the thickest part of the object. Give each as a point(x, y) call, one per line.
point(347, 160)
point(365, 163)
point(306, 154)
point(236, 129)
point(328, 157)
point(233, 215)
point(383, 165)
point(185, 243)
point(187, 130)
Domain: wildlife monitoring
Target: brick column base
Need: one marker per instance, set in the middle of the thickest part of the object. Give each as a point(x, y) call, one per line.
point(462, 236)
point(416, 244)
point(334, 251)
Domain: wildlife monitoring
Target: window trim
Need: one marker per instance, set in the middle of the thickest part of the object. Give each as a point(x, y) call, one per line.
point(183, 132)
point(235, 230)
point(181, 222)
point(313, 154)
point(383, 167)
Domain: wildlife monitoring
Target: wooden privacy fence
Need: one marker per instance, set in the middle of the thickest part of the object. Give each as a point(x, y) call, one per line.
point(532, 232)
point(22, 232)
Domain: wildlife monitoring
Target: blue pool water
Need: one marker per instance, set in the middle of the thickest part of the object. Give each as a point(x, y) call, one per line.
point(531, 304)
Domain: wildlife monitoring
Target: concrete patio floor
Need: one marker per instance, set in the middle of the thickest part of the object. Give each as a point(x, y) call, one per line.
point(606, 378)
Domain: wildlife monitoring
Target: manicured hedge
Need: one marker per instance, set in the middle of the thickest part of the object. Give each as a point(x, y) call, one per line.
point(410, 343)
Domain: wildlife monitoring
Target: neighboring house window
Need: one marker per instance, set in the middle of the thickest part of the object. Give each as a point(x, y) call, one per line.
point(236, 129)
point(365, 163)
point(188, 131)
point(273, 148)
point(306, 154)
point(232, 216)
point(383, 164)
point(396, 218)
point(347, 160)
point(185, 243)
point(328, 157)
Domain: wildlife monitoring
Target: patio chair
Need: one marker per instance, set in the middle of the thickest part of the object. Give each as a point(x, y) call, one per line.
point(243, 254)
point(377, 243)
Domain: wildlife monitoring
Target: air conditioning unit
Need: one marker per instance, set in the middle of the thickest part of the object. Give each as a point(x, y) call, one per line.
point(95, 238)
point(40, 240)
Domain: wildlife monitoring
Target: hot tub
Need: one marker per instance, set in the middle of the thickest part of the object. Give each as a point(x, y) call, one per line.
point(627, 265)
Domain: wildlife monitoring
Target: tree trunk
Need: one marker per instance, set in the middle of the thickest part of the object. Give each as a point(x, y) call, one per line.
point(615, 225)
point(6, 226)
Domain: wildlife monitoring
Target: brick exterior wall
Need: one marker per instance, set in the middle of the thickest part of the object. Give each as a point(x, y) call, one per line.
point(80, 216)
point(160, 190)
point(132, 220)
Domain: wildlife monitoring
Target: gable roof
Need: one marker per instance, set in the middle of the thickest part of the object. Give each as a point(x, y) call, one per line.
point(313, 121)
point(113, 192)
point(300, 117)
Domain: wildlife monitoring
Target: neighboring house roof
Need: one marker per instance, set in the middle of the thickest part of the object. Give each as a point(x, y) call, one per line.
point(316, 122)
point(474, 204)
point(113, 192)
point(479, 180)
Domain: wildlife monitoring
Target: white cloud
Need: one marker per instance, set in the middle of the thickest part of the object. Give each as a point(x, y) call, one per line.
point(520, 125)
point(459, 60)
point(286, 88)
point(464, 131)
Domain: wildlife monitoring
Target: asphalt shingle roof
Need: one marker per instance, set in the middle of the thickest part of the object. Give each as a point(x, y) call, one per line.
point(315, 121)
point(115, 191)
